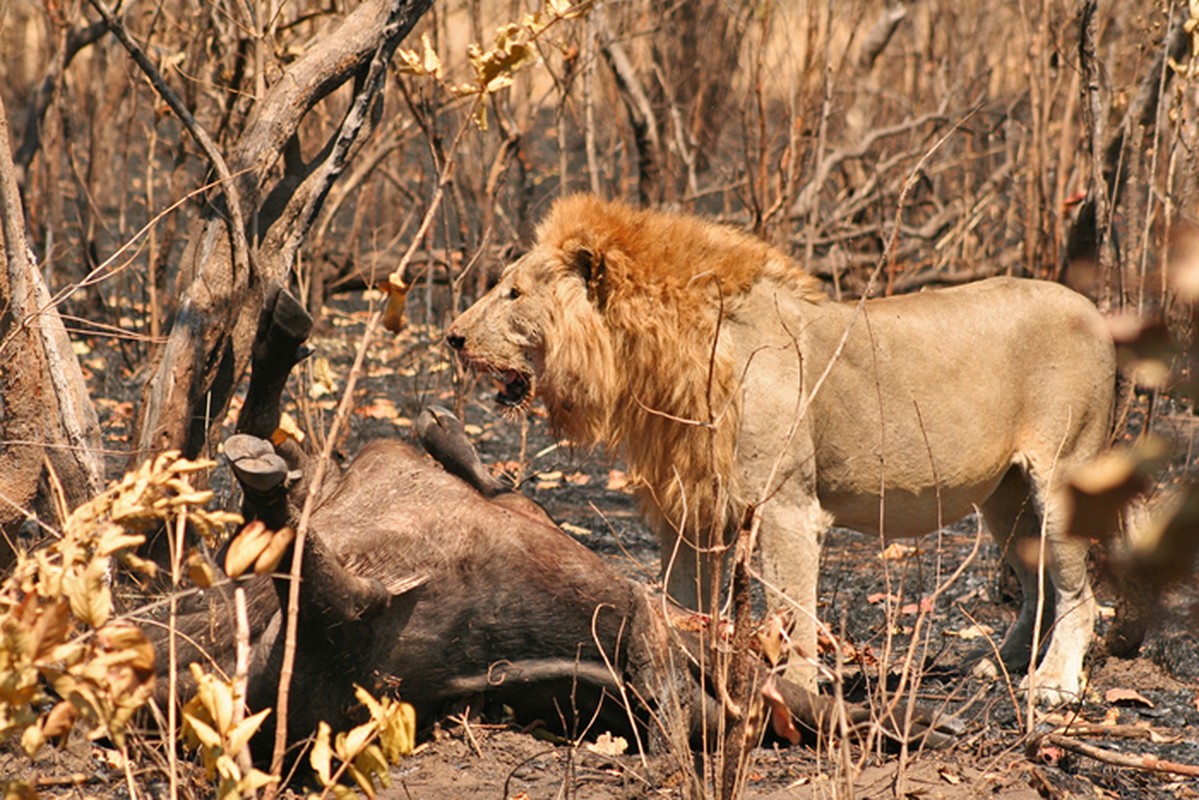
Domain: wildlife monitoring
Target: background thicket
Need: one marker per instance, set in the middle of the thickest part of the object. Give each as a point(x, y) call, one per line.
point(804, 121)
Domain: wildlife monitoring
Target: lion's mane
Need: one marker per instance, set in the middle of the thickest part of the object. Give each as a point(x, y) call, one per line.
point(634, 364)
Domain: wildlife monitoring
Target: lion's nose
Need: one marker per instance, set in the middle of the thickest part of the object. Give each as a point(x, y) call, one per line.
point(455, 340)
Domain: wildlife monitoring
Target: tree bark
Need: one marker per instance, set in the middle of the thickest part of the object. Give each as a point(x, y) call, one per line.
point(50, 457)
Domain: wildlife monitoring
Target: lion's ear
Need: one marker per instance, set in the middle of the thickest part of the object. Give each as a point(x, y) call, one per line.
point(590, 265)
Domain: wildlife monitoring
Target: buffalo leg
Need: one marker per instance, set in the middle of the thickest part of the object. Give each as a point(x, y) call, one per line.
point(270, 475)
point(278, 346)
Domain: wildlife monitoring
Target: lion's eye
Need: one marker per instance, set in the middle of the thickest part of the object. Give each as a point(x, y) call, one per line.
point(513, 293)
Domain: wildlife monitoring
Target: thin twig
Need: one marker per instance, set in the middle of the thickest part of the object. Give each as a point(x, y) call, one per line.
point(293, 600)
point(617, 677)
point(463, 719)
point(241, 673)
point(176, 550)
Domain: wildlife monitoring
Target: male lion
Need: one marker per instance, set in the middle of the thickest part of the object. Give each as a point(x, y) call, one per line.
point(732, 384)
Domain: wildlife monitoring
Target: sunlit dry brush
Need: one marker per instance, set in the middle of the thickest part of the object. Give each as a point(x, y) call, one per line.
point(60, 638)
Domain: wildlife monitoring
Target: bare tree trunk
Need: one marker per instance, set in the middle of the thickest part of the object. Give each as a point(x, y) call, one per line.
point(50, 458)
point(209, 345)
point(641, 115)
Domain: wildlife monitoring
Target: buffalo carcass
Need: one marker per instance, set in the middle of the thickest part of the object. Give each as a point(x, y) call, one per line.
point(418, 582)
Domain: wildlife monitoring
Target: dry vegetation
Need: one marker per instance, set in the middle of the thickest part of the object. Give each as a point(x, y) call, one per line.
point(888, 146)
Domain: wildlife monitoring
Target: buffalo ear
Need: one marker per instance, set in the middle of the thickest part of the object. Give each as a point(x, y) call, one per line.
point(590, 265)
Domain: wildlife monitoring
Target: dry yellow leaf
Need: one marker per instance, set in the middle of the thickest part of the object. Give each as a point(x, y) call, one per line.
point(246, 547)
point(273, 553)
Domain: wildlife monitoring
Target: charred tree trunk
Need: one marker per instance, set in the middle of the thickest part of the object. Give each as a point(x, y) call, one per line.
point(1091, 258)
point(697, 62)
point(50, 458)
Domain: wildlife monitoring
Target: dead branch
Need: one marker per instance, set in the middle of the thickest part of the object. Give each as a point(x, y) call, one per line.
point(381, 147)
point(886, 181)
point(806, 203)
point(1143, 761)
point(283, 241)
point(1113, 731)
point(880, 34)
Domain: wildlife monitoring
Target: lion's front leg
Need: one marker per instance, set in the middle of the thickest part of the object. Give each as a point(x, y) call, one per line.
point(776, 474)
point(689, 569)
point(792, 531)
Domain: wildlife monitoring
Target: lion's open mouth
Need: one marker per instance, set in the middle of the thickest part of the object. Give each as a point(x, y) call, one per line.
point(514, 388)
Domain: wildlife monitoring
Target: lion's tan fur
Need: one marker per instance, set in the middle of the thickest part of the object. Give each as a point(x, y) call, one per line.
point(728, 381)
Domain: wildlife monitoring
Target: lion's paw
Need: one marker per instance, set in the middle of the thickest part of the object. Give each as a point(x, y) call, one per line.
point(1051, 690)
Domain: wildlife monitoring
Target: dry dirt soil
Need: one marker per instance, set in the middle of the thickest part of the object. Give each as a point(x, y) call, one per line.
point(1145, 708)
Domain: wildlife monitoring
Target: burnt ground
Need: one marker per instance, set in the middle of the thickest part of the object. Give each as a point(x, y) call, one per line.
point(1143, 707)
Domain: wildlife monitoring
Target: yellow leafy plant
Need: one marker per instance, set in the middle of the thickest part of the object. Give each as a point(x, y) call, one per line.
point(257, 547)
point(365, 752)
point(56, 623)
point(211, 725)
point(514, 48)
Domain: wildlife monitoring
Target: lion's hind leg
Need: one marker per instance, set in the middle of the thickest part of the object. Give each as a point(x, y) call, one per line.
point(1018, 514)
point(1014, 521)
